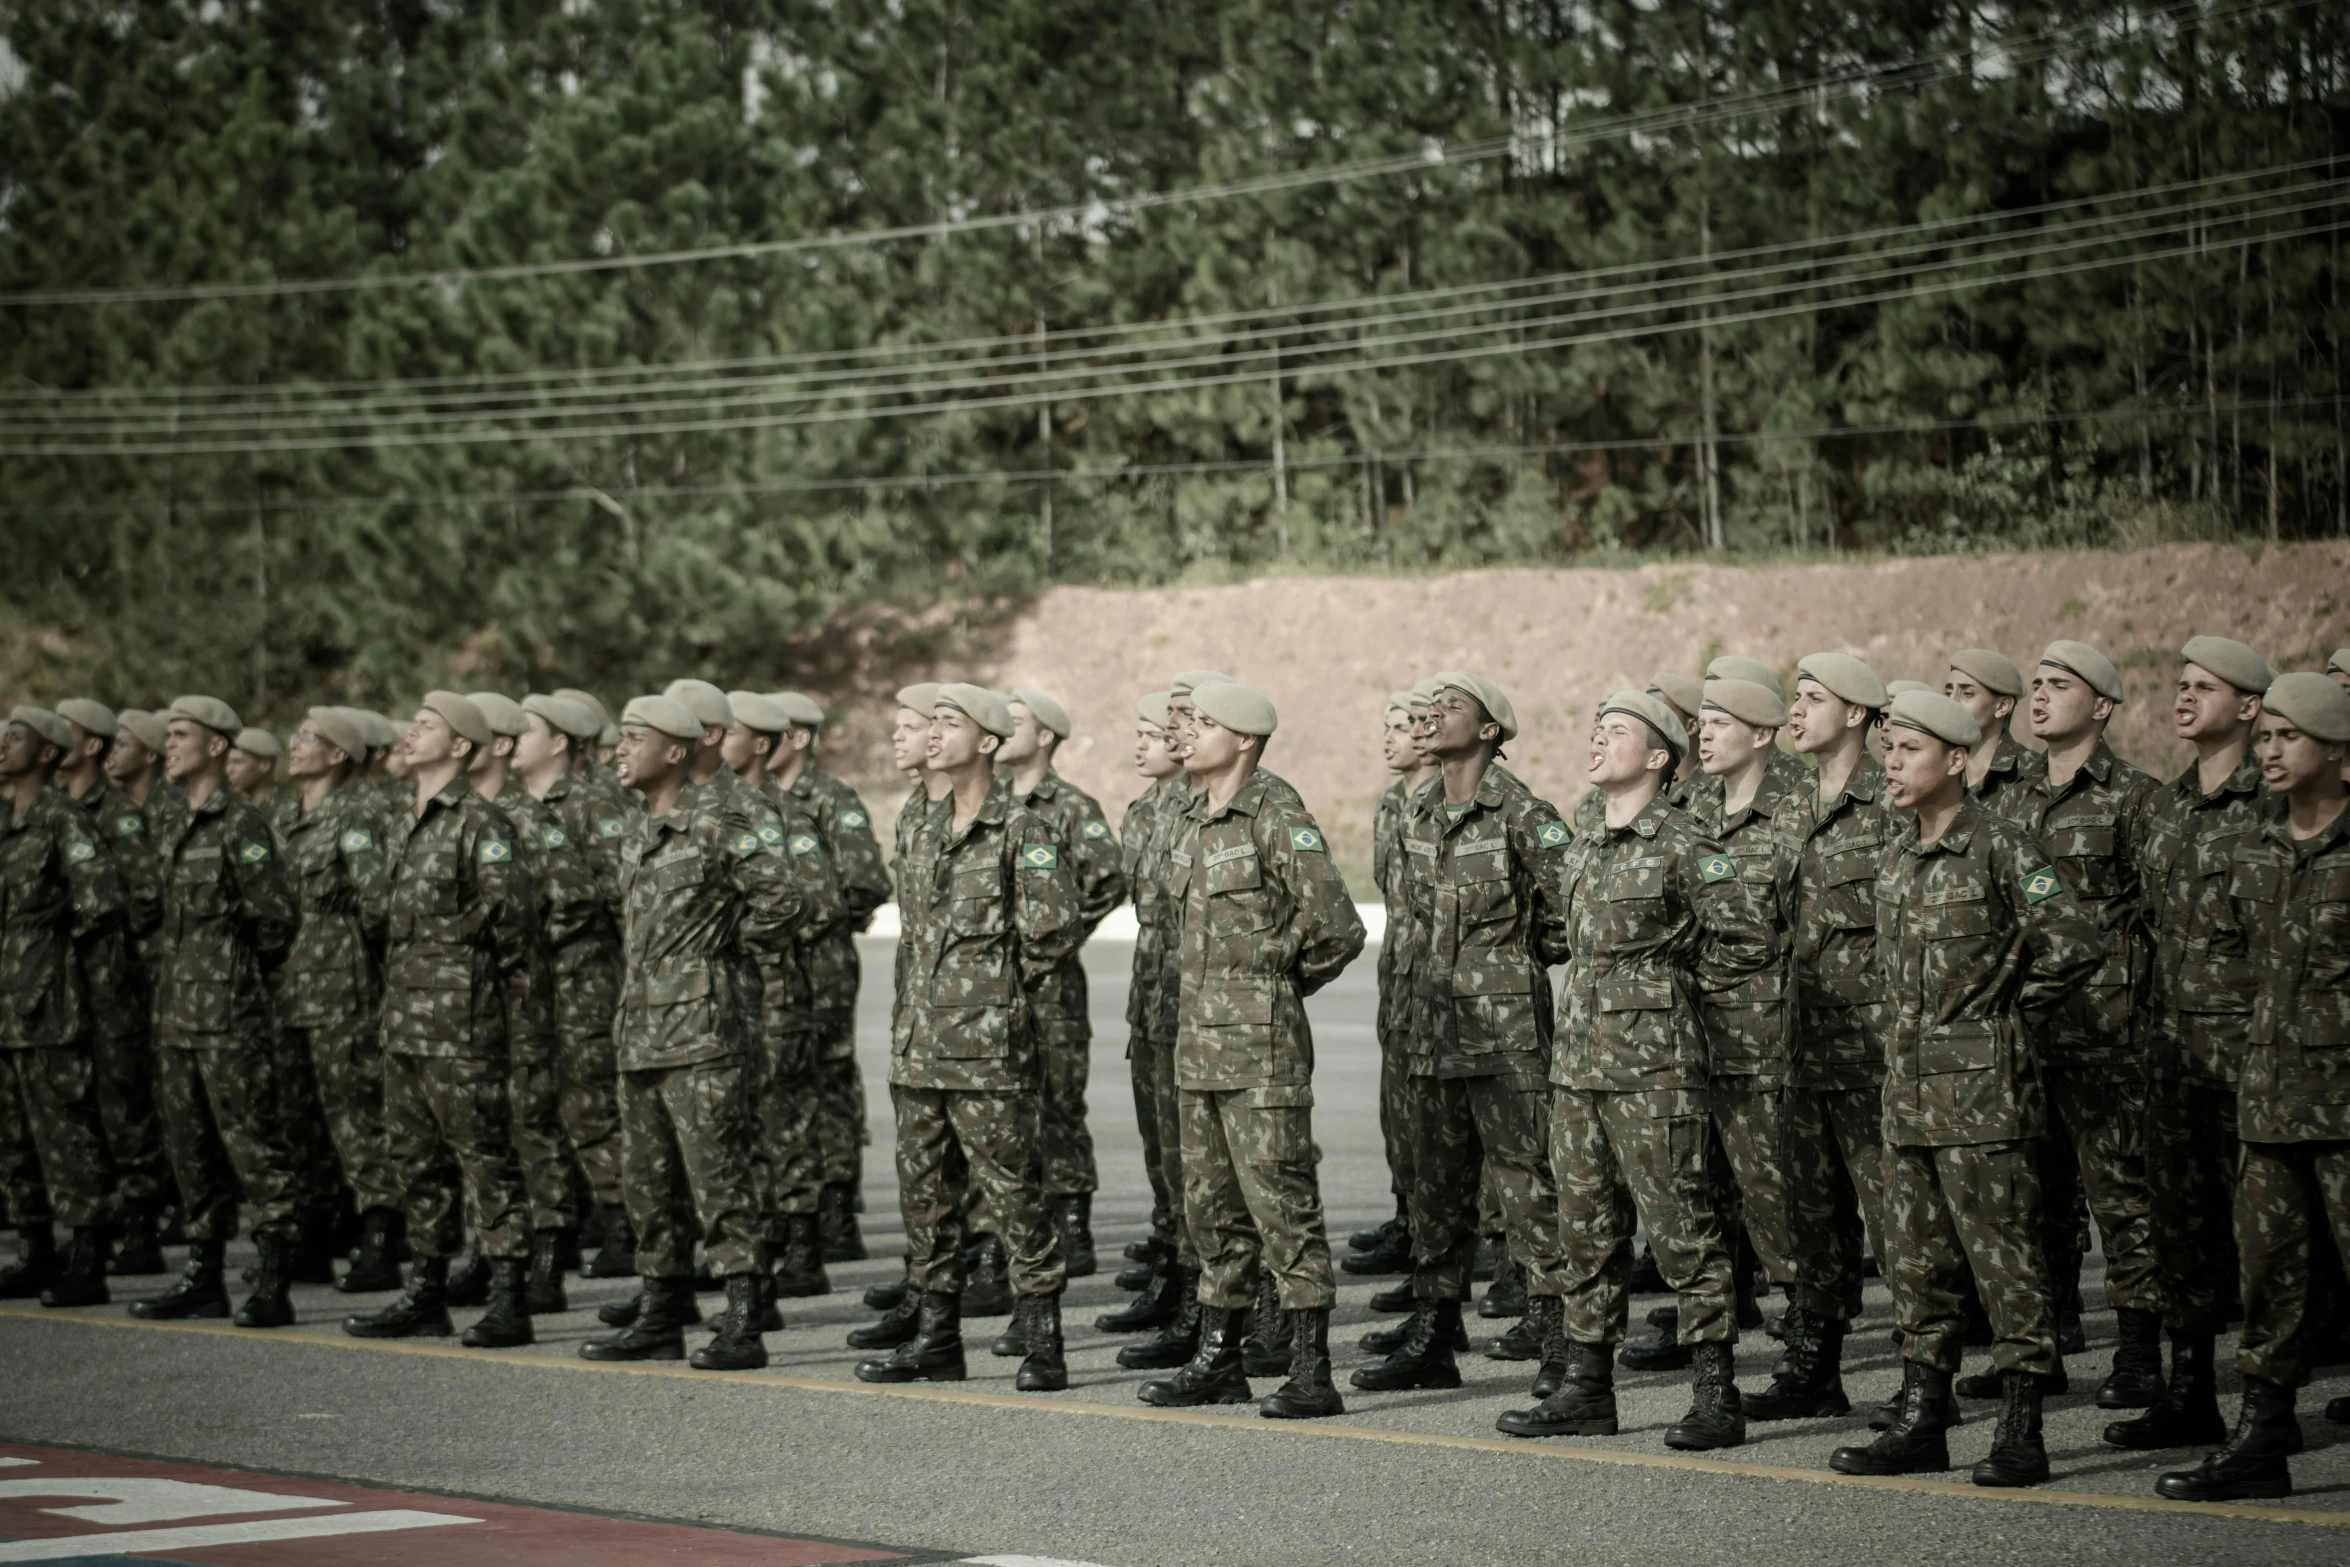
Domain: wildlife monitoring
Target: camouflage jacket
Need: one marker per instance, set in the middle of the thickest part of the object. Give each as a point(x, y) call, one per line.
point(229, 917)
point(279, 808)
point(340, 860)
point(906, 843)
point(1391, 870)
point(2203, 977)
point(789, 979)
point(1092, 852)
point(1266, 922)
point(2013, 767)
point(706, 897)
point(61, 924)
point(1784, 774)
point(1979, 940)
point(1143, 843)
point(463, 920)
point(857, 880)
point(128, 831)
point(991, 909)
point(2095, 830)
point(2294, 899)
point(1483, 928)
point(595, 813)
point(1839, 992)
point(1746, 903)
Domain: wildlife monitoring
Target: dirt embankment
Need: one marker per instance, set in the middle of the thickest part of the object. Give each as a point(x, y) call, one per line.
point(1329, 650)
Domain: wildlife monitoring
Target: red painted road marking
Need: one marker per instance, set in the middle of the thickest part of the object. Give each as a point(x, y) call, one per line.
point(58, 1503)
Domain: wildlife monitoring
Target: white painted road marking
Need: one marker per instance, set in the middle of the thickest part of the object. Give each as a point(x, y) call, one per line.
point(133, 1500)
point(205, 1536)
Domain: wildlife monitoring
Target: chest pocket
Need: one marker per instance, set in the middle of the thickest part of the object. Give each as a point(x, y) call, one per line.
point(1849, 877)
point(2254, 882)
point(976, 903)
point(1239, 903)
point(1635, 881)
point(1481, 881)
point(196, 884)
point(2087, 856)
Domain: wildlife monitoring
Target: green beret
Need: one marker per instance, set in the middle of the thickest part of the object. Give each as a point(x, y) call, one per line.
point(1189, 680)
point(919, 698)
point(259, 743)
point(2232, 661)
point(1424, 689)
point(1489, 696)
point(2339, 661)
point(503, 713)
point(1049, 713)
point(664, 715)
point(144, 726)
point(757, 712)
point(2309, 702)
point(704, 700)
point(983, 707)
point(1894, 688)
point(803, 711)
point(339, 727)
point(384, 733)
point(1241, 709)
point(1748, 701)
point(587, 699)
point(564, 715)
point(1397, 702)
point(1992, 671)
point(91, 718)
point(1845, 678)
point(467, 720)
point(1152, 709)
point(1679, 692)
point(608, 736)
point(2079, 658)
point(1733, 666)
point(1653, 711)
point(1933, 713)
point(210, 711)
point(49, 726)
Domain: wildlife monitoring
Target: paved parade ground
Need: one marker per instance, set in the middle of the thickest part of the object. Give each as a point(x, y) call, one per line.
point(198, 1442)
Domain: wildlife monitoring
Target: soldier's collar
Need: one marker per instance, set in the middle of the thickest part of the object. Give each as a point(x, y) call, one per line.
point(2006, 756)
point(1649, 822)
point(1957, 838)
point(1866, 782)
point(2278, 827)
point(1247, 800)
point(2246, 779)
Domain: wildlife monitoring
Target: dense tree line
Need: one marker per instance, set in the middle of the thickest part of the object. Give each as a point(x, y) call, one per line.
point(1473, 282)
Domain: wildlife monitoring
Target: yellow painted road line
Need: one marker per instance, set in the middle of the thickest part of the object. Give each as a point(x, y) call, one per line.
point(932, 1393)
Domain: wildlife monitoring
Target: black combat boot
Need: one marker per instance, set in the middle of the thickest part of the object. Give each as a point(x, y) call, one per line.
point(2018, 1456)
point(1914, 1442)
point(1546, 1319)
point(1073, 1218)
point(738, 1346)
point(271, 1305)
point(1716, 1417)
point(506, 1325)
point(1154, 1307)
point(1042, 1367)
point(615, 1244)
point(1808, 1383)
point(656, 1330)
point(799, 1262)
point(887, 1297)
point(2338, 1410)
point(1522, 1342)
point(1392, 1255)
point(469, 1276)
point(1309, 1393)
point(37, 1262)
point(933, 1354)
point(372, 1268)
point(1178, 1340)
point(1665, 1352)
point(421, 1311)
point(2252, 1466)
point(1647, 1278)
point(1387, 1340)
point(1426, 1358)
point(836, 1223)
point(1746, 1291)
point(1150, 1258)
point(1378, 1234)
point(82, 1279)
point(2187, 1414)
point(1213, 1375)
point(1986, 1384)
point(1485, 1265)
point(199, 1291)
point(2136, 1379)
point(137, 1252)
point(897, 1325)
point(770, 1315)
point(542, 1291)
point(624, 1313)
point(987, 1289)
point(1583, 1405)
point(1265, 1351)
point(1506, 1295)
point(1401, 1297)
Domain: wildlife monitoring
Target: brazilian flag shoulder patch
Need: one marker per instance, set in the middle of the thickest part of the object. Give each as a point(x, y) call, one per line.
point(254, 853)
point(610, 827)
point(553, 836)
point(129, 825)
point(805, 843)
point(1717, 867)
point(770, 834)
point(745, 845)
point(1553, 835)
point(81, 850)
point(2041, 885)
point(357, 840)
point(1097, 828)
point(1307, 840)
point(1040, 857)
point(852, 818)
point(494, 851)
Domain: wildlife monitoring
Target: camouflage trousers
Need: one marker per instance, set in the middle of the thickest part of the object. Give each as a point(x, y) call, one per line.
point(1252, 1197)
point(1066, 1046)
point(219, 1107)
point(1470, 1135)
point(346, 1061)
point(1147, 1062)
point(840, 1101)
point(302, 1125)
point(1394, 1084)
point(1977, 1205)
point(126, 1108)
point(542, 1150)
point(585, 1000)
point(2192, 1158)
point(952, 1143)
point(786, 1163)
point(2096, 1149)
point(1750, 1126)
point(1835, 1193)
point(1621, 1157)
point(449, 1124)
point(2286, 1192)
point(686, 1150)
point(53, 1159)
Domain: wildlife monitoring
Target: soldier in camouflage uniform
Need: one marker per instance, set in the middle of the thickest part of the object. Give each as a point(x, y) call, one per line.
point(125, 1045)
point(2089, 810)
point(1484, 856)
point(1064, 1028)
point(2202, 995)
point(1988, 686)
point(331, 1002)
point(1628, 1123)
point(1265, 922)
point(1980, 940)
point(229, 917)
point(1682, 698)
point(134, 762)
point(252, 772)
point(708, 897)
point(990, 908)
point(846, 828)
point(61, 928)
point(458, 990)
point(2290, 882)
